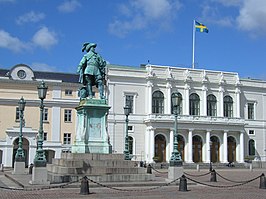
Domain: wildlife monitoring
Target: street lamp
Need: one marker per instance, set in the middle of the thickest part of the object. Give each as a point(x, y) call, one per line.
point(40, 160)
point(126, 151)
point(20, 157)
point(210, 169)
point(176, 159)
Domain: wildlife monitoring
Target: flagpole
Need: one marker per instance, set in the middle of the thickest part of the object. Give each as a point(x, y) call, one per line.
point(193, 46)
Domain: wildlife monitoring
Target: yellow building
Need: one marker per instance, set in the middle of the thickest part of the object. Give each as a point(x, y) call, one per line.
point(59, 112)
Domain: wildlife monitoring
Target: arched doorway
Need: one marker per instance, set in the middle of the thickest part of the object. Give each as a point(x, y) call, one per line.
point(49, 155)
point(215, 145)
point(231, 148)
point(181, 146)
point(197, 149)
point(160, 148)
point(25, 147)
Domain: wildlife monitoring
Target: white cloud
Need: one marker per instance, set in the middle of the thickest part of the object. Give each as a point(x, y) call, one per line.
point(142, 14)
point(44, 38)
point(211, 15)
point(12, 43)
point(229, 2)
point(30, 17)
point(69, 6)
point(252, 17)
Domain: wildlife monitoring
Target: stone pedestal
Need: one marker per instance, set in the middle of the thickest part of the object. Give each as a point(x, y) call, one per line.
point(91, 135)
point(19, 168)
point(39, 176)
point(174, 173)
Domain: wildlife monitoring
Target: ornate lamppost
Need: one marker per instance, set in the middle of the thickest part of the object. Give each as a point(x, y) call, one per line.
point(40, 160)
point(19, 166)
point(210, 168)
point(176, 159)
point(20, 156)
point(126, 151)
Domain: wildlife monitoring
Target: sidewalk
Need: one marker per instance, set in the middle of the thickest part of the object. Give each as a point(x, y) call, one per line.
point(152, 189)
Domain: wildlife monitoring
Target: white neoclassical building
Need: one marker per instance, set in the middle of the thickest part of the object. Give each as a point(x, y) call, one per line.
point(221, 117)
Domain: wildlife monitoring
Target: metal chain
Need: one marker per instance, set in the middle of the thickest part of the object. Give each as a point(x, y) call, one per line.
point(230, 180)
point(133, 190)
point(39, 188)
point(159, 171)
point(223, 186)
point(192, 175)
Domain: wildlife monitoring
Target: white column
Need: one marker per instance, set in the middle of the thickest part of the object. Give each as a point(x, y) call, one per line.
point(151, 145)
point(221, 102)
point(168, 98)
point(56, 124)
point(186, 98)
point(147, 145)
point(149, 97)
point(204, 101)
point(237, 102)
point(190, 144)
point(208, 148)
point(225, 148)
point(241, 143)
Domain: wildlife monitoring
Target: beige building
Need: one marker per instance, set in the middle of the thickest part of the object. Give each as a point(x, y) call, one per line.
point(221, 118)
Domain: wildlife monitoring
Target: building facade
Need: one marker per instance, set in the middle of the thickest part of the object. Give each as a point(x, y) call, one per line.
point(221, 116)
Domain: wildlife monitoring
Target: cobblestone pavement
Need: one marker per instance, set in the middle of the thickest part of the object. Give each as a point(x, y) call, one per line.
point(249, 190)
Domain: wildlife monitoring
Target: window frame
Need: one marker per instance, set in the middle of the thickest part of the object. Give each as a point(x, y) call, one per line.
point(158, 102)
point(67, 138)
point(211, 105)
point(194, 104)
point(228, 106)
point(67, 115)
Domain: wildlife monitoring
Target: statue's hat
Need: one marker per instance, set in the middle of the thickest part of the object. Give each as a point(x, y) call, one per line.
point(87, 46)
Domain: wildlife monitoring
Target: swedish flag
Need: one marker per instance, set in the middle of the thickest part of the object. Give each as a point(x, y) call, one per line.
point(200, 27)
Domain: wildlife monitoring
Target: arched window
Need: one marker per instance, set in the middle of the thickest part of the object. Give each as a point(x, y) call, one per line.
point(130, 145)
point(228, 106)
point(180, 107)
point(211, 105)
point(251, 147)
point(157, 102)
point(194, 104)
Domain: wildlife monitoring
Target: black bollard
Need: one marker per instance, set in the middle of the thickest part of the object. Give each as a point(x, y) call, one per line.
point(262, 181)
point(183, 183)
point(213, 176)
point(84, 188)
point(149, 169)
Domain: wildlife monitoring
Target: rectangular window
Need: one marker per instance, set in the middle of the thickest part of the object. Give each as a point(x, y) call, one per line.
point(17, 113)
point(129, 102)
point(251, 132)
point(130, 128)
point(67, 115)
point(67, 138)
point(68, 92)
point(251, 111)
point(45, 114)
point(45, 136)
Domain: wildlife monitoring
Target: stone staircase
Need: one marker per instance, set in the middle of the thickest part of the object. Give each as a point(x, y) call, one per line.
point(165, 165)
point(97, 167)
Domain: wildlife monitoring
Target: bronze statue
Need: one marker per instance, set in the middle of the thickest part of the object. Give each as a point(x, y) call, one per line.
point(91, 71)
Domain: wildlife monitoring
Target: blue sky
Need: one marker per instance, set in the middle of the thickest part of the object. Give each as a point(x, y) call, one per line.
point(48, 35)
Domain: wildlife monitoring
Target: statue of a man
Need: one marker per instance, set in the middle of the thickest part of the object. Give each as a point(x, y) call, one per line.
point(92, 71)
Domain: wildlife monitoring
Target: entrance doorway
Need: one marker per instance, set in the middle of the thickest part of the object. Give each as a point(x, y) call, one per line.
point(197, 149)
point(160, 148)
point(25, 147)
point(231, 148)
point(215, 146)
point(181, 145)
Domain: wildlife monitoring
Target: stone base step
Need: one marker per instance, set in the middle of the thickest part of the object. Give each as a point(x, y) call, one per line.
point(57, 178)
